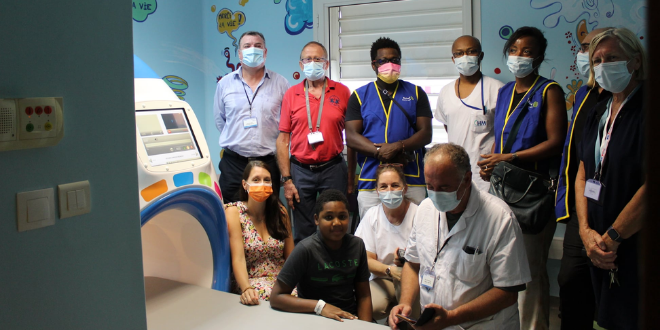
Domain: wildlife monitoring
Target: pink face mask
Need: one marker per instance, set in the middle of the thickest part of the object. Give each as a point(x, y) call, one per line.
point(389, 72)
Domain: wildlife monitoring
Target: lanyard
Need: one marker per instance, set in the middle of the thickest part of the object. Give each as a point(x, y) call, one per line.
point(438, 241)
point(509, 112)
point(309, 114)
point(253, 97)
point(483, 106)
point(603, 143)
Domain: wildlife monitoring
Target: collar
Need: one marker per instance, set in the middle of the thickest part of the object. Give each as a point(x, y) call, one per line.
point(300, 88)
point(238, 74)
point(470, 209)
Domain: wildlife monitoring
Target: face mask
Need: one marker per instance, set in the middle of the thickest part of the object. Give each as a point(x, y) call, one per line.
point(613, 76)
point(253, 57)
point(467, 65)
point(391, 198)
point(389, 72)
point(445, 201)
point(520, 66)
point(259, 191)
point(582, 62)
point(314, 71)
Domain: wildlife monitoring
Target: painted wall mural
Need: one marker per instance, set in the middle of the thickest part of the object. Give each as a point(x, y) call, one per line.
point(229, 22)
point(177, 84)
point(232, 67)
point(143, 8)
point(565, 23)
point(299, 16)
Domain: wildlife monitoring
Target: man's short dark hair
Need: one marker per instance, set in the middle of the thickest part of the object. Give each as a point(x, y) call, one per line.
point(383, 42)
point(327, 196)
point(325, 51)
point(251, 33)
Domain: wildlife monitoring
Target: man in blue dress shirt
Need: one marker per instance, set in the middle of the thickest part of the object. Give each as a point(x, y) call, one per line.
point(246, 108)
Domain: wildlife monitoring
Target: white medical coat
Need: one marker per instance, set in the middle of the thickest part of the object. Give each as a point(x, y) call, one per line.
point(487, 224)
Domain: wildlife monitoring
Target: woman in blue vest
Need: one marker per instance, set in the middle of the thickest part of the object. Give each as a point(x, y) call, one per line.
point(537, 147)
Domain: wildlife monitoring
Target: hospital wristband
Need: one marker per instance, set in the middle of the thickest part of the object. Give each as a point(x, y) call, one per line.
point(319, 307)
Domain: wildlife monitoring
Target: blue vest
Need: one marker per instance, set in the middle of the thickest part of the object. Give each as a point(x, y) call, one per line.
point(380, 126)
point(532, 129)
point(561, 203)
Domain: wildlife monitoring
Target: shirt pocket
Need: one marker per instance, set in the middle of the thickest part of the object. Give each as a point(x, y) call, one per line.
point(480, 123)
point(470, 268)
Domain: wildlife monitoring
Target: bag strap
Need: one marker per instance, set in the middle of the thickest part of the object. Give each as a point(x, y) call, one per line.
point(516, 125)
point(386, 93)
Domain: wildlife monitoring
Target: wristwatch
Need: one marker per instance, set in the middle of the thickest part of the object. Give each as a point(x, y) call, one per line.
point(614, 235)
point(286, 178)
point(388, 272)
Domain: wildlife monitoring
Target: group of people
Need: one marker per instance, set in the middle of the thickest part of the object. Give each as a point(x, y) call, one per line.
point(433, 232)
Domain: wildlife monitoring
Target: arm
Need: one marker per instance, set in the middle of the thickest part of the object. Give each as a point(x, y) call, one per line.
point(288, 242)
point(593, 242)
point(281, 298)
point(356, 141)
point(489, 303)
point(239, 267)
point(351, 158)
point(422, 137)
point(363, 295)
point(629, 220)
point(409, 292)
point(378, 268)
point(219, 109)
point(283, 162)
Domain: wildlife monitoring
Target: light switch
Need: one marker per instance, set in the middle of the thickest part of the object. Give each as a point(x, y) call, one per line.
point(35, 209)
point(75, 198)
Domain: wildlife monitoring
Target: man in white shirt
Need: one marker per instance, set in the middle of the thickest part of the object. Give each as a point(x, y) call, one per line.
point(465, 255)
point(467, 107)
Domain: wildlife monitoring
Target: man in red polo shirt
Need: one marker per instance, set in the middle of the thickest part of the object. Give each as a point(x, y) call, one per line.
point(312, 121)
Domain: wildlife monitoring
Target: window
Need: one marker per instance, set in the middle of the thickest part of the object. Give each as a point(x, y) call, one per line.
point(424, 29)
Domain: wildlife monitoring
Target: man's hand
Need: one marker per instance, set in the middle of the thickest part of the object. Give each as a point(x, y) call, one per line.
point(387, 152)
point(396, 273)
point(290, 192)
point(440, 319)
point(333, 312)
point(404, 310)
point(597, 249)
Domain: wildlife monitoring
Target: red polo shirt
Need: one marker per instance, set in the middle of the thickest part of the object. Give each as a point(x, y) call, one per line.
point(293, 119)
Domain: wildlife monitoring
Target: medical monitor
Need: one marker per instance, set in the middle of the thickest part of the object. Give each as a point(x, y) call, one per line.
point(166, 136)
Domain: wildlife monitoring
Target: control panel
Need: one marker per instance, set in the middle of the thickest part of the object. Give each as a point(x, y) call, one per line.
point(31, 122)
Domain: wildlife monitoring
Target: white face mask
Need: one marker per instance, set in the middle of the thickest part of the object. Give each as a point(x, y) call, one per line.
point(467, 65)
point(253, 57)
point(446, 201)
point(314, 70)
point(582, 62)
point(613, 76)
point(520, 66)
point(391, 198)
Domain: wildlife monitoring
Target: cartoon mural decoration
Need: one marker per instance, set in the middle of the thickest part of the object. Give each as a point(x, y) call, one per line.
point(229, 64)
point(506, 32)
point(228, 22)
point(299, 16)
point(242, 2)
point(177, 84)
point(143, 8)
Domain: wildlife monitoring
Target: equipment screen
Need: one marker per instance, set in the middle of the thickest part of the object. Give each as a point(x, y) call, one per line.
point(166, 136)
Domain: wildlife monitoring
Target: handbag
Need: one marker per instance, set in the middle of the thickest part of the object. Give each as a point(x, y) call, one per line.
point(530, 195)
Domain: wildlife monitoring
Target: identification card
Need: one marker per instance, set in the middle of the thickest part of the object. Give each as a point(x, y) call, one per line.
point(250, 122)
point(428, 279)
point(315, 137)
point(592, 190)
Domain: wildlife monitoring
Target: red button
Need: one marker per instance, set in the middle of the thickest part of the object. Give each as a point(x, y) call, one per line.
point(38, 110)
point(48, 109)
point(29, 111)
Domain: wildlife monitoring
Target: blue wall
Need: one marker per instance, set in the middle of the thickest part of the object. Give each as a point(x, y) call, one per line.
point(84, 272)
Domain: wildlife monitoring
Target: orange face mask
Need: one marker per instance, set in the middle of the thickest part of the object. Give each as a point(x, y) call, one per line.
point(260, 192)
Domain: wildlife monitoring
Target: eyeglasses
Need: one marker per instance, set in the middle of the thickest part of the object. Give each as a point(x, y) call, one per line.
point(390, 165)
point(469, 52)
point(382, 61)
point(314, 59)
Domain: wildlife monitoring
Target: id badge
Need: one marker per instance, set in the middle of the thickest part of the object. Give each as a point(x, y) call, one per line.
point(250, 122)
point(315, 137)
point(592, 190)
point(428, 279)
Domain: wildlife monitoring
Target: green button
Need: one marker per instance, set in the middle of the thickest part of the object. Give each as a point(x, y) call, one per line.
point(29, 127)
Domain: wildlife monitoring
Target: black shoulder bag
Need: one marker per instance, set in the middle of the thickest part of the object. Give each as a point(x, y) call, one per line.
point(529, 195)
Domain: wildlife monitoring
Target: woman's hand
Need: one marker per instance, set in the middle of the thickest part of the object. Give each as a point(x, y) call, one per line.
point(333, 312)
point(250, 297)
point(597, 249)
point(488, 163)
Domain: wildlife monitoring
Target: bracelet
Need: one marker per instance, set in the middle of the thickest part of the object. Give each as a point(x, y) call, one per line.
point(248, 288)
point(403, 146)
point(319, 307)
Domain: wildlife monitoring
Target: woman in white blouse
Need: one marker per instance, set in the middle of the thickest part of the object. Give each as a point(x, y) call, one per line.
point(385, 229)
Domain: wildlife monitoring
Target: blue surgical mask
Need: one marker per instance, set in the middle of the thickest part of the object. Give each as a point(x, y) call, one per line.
point(253, 57)
point(445, 201)
point(391, 198)
point(467, 65)
point(520, 66)
point(582, 62)
point(314, 70)
point(613, 76)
